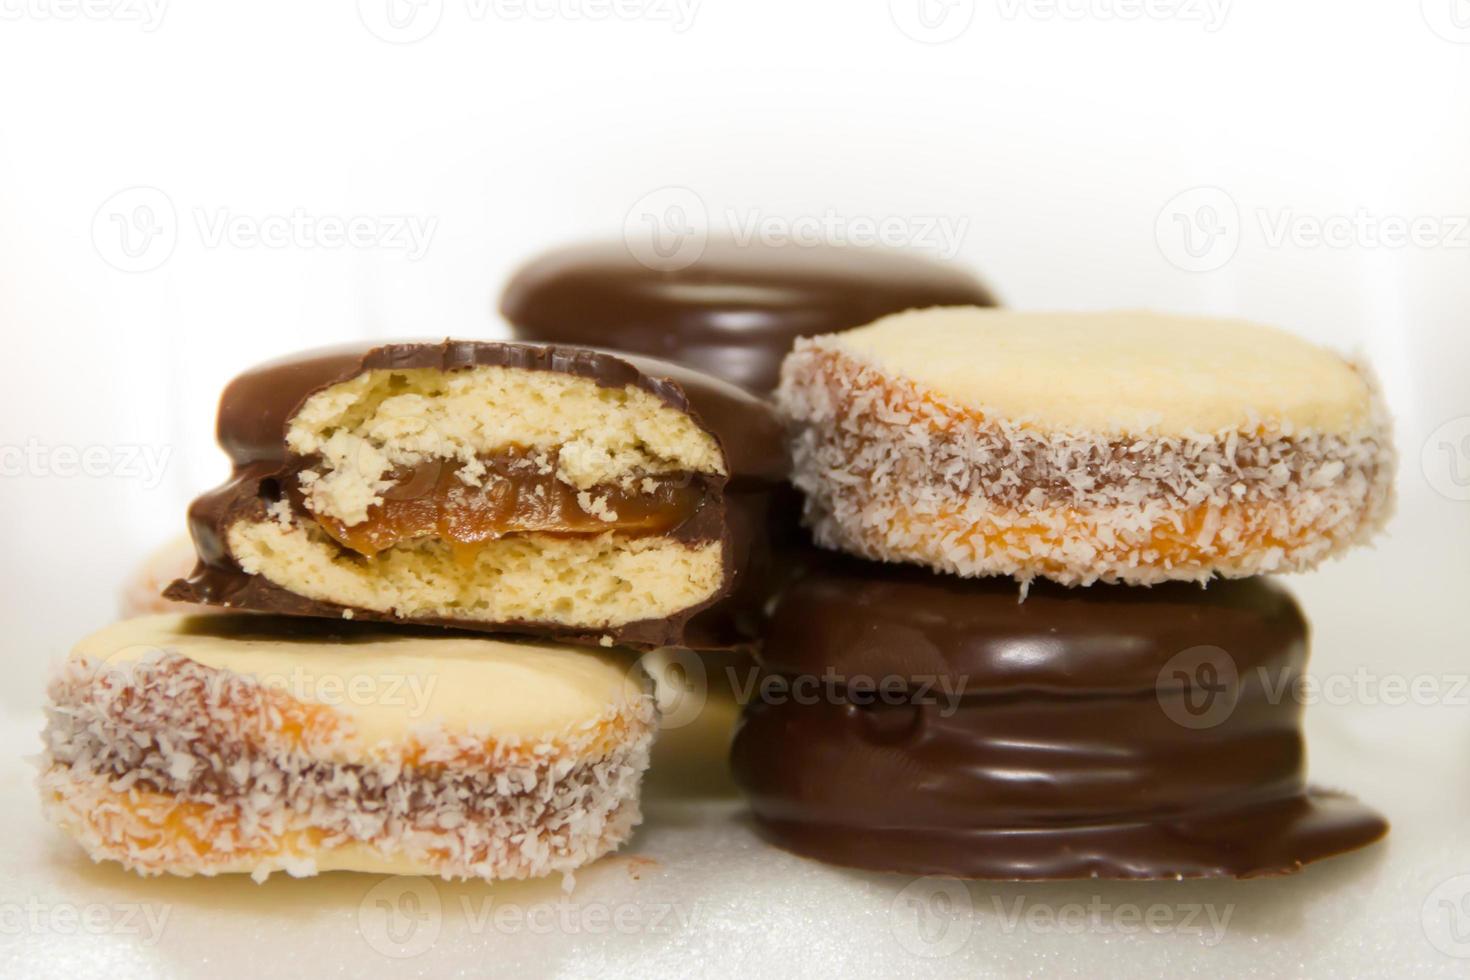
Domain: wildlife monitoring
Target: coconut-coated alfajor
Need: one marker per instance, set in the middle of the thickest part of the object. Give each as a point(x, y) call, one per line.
point(253, 744)
point(1124, 447)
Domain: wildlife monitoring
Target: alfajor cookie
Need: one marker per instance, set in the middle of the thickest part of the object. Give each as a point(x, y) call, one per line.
point(254, 744)
point(551, 491)
point(1122, 447)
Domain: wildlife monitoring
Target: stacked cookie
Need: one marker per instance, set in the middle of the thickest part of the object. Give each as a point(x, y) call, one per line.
point(1060, 695)
point(434, 567)
point(735, 312)
point(387, 505)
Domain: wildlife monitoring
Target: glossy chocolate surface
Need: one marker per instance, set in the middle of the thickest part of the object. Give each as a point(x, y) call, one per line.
point(735, 312)
point(864, 617)
point(256, 409)
point(1108, 731)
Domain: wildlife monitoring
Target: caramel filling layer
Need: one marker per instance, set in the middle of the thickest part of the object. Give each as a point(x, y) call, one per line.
point(516, 495)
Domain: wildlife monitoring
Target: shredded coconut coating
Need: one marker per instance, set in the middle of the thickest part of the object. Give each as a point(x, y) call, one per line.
point(167, 766)
point(894, 472)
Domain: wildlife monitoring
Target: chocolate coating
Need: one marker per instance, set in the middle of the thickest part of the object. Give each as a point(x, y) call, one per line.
point(735, 312)
point(1076, 734)
point(862, 617)
point(256, 409)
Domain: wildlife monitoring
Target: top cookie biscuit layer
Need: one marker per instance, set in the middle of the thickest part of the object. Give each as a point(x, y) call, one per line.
point(1121, 373)
point(389, 684)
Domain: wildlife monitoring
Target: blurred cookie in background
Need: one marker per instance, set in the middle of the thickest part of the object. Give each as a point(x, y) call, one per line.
point(736, 311)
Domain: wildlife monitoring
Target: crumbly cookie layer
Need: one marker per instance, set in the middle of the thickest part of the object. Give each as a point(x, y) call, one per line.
point(897, 471)
point(168, 766)
point(593, 582)
point(384, 421)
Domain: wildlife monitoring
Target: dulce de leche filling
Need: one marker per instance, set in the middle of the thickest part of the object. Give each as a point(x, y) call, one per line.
point(515, 494)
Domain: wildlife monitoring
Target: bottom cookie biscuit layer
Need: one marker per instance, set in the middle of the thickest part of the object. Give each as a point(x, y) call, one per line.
point(169, 766)
point(596, 582)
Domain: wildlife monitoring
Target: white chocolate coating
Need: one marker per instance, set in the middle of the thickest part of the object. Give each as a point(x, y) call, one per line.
point(1118, 373)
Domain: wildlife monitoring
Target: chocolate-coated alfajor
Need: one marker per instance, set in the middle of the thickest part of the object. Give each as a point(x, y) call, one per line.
point(932, 725)
point(520, 488)
point(735, 310)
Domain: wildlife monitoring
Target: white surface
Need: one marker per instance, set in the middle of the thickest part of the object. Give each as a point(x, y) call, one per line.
point(696, 892)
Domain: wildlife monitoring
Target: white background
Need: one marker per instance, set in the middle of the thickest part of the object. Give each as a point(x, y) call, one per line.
point(1067, 140)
